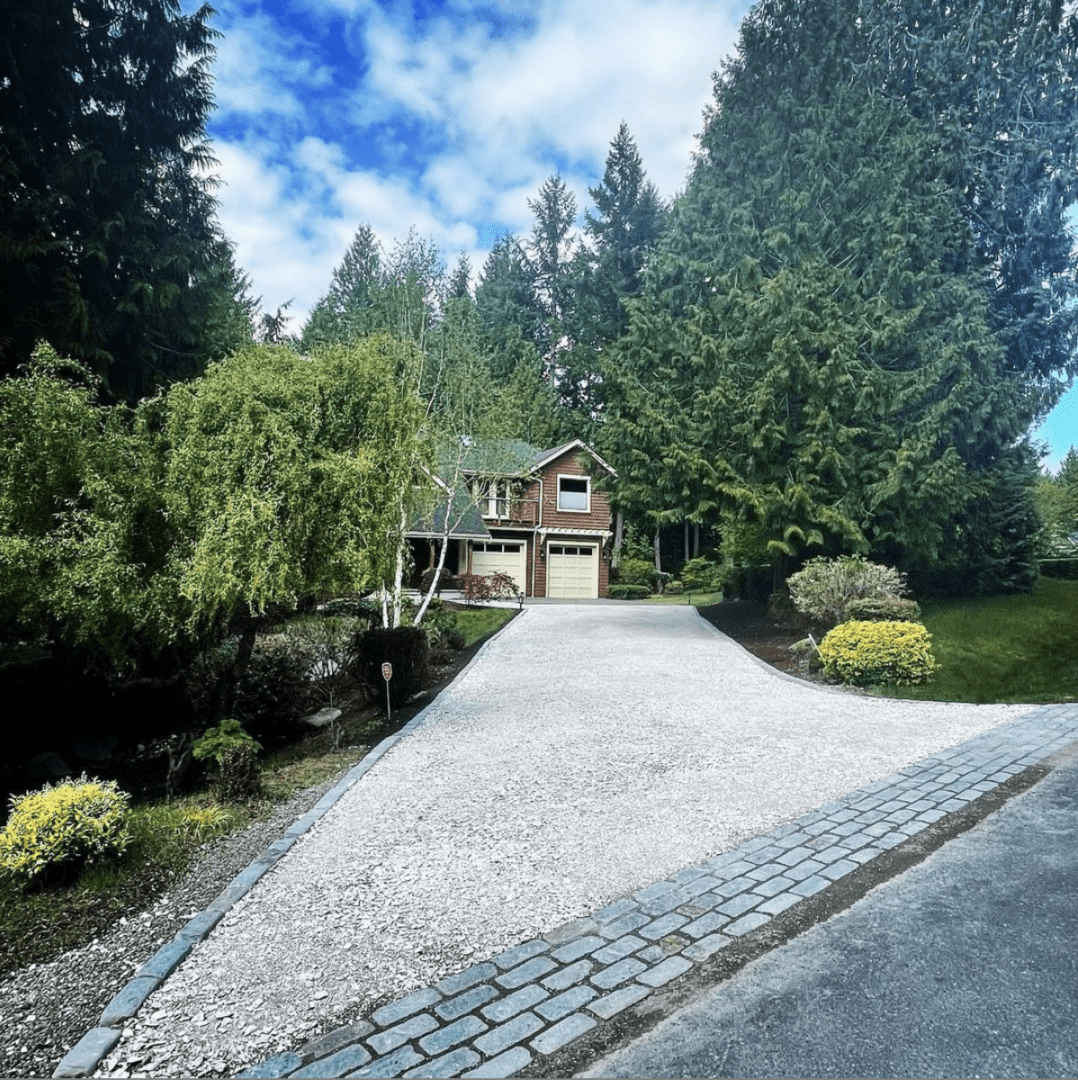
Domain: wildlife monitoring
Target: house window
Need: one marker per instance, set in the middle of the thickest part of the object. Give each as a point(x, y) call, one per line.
point(574, 493)
point(493, 499)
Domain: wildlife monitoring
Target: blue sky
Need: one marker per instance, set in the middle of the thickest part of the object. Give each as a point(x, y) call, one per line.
point(448, 115)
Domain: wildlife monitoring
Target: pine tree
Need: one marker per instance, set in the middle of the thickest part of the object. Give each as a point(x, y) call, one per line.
point(108, 242)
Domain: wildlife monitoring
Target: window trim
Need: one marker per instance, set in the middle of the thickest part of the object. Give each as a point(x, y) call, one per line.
point(587, 494)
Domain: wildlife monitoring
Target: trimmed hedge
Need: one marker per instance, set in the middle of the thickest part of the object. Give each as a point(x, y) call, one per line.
point(885, 609)
point(628, 592)
point(869, 653)
point(1067, 569)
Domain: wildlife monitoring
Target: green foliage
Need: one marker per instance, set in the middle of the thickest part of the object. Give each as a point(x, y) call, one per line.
point(217, 741)
point(826, 588)
point(870, 653)
point(61, 828)
point(636, 572)
point(815, 355)
point(701, 573)
point(884, 609)
point(109, 248)
point(239, 775)
point(675, 588)
point(406, 648)
point(628, 592)
point(326, 644)
point(199, 823)
point(84, 543)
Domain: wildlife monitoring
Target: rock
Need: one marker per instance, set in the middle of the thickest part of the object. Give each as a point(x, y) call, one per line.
point(322, 718)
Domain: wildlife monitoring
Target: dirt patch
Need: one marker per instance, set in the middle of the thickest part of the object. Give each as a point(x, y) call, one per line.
point(750, 625)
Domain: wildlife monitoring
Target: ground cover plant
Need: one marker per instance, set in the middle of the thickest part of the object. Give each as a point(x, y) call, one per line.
point(1017, 648)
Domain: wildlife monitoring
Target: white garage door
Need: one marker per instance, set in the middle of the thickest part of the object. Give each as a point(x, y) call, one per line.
point(573, 571)
point(500, 557)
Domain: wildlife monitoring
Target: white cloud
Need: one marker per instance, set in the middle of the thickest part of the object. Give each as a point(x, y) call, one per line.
point(449, 123)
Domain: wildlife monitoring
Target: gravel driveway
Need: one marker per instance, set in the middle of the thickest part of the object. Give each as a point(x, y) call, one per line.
point(587, 751)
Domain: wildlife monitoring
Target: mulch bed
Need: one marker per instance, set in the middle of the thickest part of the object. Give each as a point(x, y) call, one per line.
point(753, 629)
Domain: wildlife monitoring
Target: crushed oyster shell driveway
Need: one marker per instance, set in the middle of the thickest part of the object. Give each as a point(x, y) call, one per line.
point(588, 751)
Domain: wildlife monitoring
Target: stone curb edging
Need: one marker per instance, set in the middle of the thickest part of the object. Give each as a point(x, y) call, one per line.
point(502, 1015)
point(85, 1056)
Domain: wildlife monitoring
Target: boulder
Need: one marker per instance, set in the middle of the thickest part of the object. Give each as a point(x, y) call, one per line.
point(322, 718)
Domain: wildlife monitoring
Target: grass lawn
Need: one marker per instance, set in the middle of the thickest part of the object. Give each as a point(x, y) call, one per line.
point(476, 623)
point(1003, 648)
point(697, 599)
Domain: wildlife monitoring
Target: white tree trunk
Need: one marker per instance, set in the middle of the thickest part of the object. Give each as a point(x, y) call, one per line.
point(434, 581)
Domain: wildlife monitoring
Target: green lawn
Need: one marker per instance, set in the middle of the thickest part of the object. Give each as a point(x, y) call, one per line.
point(697, 599)
point(1004, 648)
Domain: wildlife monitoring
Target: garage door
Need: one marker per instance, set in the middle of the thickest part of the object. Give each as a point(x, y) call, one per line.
point(573, 571)
point(500, 557)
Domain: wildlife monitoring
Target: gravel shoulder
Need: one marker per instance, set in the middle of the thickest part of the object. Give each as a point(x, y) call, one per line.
point(588, 751)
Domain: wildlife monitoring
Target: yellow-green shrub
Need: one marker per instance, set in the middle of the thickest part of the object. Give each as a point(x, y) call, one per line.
point(61, 827)
point(866, 653)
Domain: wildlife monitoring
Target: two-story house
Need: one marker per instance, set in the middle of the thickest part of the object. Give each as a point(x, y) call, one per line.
point(534, 515)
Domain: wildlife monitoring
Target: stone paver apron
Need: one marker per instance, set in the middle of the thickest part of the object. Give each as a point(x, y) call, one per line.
point(604, 800)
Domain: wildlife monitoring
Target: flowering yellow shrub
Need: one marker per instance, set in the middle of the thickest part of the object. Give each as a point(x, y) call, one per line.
point(61, 826)
point(866, 653)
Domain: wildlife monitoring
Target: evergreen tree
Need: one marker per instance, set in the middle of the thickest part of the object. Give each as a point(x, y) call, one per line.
point(813, 353)
point(108, 245)
point(623, 232)
point(509, 312)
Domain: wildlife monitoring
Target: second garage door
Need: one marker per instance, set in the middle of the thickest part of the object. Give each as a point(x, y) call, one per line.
point(573, 571)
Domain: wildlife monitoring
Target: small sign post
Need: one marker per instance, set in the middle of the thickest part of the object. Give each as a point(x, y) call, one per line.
point(387, 674)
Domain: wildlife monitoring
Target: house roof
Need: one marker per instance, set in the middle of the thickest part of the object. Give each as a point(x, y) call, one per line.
point(544, 457)
point(465, 520)
point(510, 457)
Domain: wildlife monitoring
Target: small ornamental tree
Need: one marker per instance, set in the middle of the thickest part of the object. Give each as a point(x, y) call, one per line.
point(825, 588)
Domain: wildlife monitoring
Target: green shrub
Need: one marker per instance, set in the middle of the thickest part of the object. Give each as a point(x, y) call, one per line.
point(825, 588)
point(637, 572)
point(628, 592)
point(869, 653)
point(701, 573)
point(55, 831)
point(406, 648)
point(237, 776)
point(885, 609)
point(215, 742)
point(275, 689)
point(675, 587)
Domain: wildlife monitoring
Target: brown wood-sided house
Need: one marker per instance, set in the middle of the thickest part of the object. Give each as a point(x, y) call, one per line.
point(534, 515)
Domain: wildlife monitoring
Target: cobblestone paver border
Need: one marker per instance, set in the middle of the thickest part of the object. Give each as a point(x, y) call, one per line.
point(493, 1018)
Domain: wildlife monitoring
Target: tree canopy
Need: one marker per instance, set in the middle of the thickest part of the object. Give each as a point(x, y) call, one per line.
point(109, 248)
point(817, 352)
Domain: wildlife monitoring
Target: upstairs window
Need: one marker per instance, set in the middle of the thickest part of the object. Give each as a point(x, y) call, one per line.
point(574, 493)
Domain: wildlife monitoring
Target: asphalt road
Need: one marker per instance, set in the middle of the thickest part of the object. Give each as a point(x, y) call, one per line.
point(964, 965)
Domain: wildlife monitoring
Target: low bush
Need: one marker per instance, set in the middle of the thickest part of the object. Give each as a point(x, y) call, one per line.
point(61, 828)
point(237, 776)
point(825, 588)
point(478, 589)
point(885, 609)
point(870, 653)
point(637, 572)
point(701, 573)
point(675, 587)
point(406, 648)
point(628, 592)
